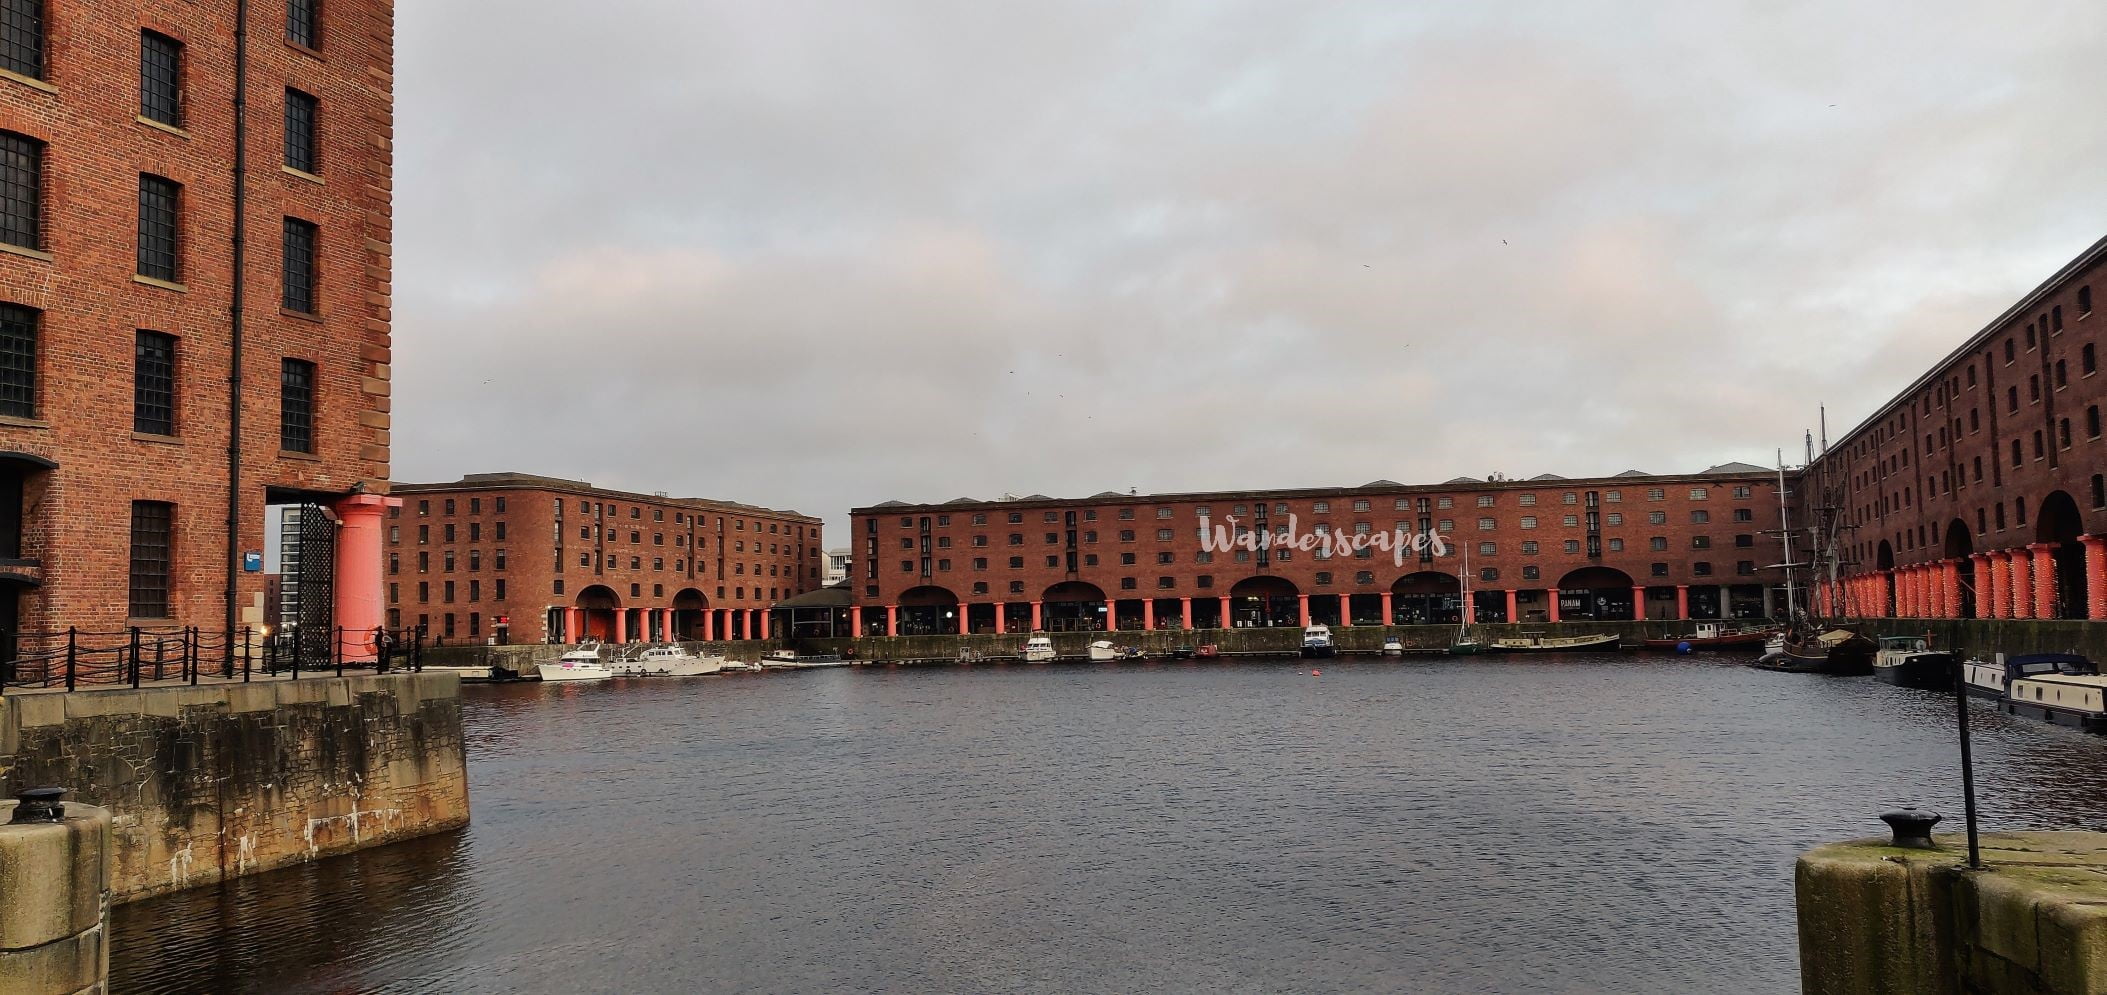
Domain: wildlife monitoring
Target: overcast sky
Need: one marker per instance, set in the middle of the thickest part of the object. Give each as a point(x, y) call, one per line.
point(819, 255)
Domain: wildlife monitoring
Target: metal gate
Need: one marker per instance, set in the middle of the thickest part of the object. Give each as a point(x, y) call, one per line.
point(308, 561)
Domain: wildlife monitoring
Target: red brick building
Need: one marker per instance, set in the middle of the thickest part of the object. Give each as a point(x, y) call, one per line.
point(122, 325)
point(519, 558)
point(1634, 545)
point(1979, 490)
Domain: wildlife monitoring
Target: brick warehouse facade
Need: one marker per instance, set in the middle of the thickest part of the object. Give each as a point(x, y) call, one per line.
point(1634, 545)
point(521, 558)
point(118, 316)
point(1978, 492)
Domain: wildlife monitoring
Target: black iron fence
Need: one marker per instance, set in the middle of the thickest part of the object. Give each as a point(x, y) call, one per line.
point(87, 658)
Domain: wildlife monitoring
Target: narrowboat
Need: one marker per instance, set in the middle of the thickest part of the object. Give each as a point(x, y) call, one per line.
point(1537, 642)
point(1989, 679)
point(1716, 635)
point(1909, 661)
point(2074, 700)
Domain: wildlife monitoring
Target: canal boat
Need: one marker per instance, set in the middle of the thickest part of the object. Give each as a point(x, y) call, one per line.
point(2075, 700)
point(665, 661)
point(1317, 641)
point(1038, 649)
point(1716, 635)
point(581, 664)
point(1989, 679)
point(1537, 642)
point(1909, 661)
point(1393, 646)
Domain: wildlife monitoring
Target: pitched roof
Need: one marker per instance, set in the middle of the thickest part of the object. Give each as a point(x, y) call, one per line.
point(1737, 468)
point(1547, 476)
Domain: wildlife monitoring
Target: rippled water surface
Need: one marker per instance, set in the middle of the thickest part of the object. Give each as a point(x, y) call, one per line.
point(1590, 824)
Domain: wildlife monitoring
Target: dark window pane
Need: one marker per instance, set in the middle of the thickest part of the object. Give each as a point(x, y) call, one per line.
point(22, 37)
point(157, 227)
point(18, 361)
point(303, 22)
point(154, 384)
point(299, 266)
point(296, 407)
point(150, 548)
point(21, 190)
point(160, 78)
point(300, 150)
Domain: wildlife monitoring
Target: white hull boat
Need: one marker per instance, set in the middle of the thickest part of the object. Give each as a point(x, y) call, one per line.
point(666, 661)
point(1039, 649)
point(581, 664)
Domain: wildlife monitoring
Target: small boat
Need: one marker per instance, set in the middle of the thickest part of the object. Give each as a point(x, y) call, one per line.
point(581, 664)
point(1393, 646)
point(1181, 653)
point(1716, 635)
point(2075, 700)
point(1990, 679)
point(1102, 651)
point(1207, 651)
point(1909, 661)
point(666, 661)
point(1317, 641)
point(1537, 642)
point(1839, 651)
point(1039, 649)
point(781, 656)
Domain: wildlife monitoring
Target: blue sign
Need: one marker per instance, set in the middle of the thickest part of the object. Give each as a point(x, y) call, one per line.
point(251, 562)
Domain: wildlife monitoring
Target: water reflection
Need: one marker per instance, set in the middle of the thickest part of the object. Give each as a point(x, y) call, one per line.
point(1604, 823)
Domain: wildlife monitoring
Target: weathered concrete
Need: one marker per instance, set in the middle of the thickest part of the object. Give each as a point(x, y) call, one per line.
point(1880, 920)
point(210, 783)
point(54, 897)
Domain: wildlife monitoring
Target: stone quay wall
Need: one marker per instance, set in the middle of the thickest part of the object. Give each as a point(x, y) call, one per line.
point(1877, 919)
point(1286, 640)
point(54, 902)
point(209, 783)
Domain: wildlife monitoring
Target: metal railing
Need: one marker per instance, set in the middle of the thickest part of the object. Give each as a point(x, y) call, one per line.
point(75, 658)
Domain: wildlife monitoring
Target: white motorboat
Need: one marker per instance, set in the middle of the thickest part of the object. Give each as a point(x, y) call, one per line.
point(1317, 640)
point(666, 661)
point(1393, 646)
point(1103, 651)
point(581, 664)
point(1039, 649)
point(740, 667)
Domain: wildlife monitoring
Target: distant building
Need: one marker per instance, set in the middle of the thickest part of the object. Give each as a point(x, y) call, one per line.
point(519, 558)
point(1634, 545)
point(837, 567)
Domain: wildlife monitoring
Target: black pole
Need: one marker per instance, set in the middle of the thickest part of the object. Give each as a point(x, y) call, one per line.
point(336, 648)
point(235, 307)
point(72, 653)
point(244, 656)
point(1960, 697)
point(133, 655)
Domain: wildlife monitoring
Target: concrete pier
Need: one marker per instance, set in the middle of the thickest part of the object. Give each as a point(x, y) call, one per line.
point(1877, 919)
point(54, 898)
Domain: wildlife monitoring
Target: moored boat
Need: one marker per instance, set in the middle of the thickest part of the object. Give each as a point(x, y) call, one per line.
point(581, 664)
point(1317, 641)
point(1909, 661)
point(1537, 642)
point(1038, 649)
point(1990, 678)
point(1102, 651)
point(665, 661)
point(2075, 700)
point(1716, 635)
point(1839, 652)
point(1181, 653)
point(1207, 651)
point(1393, 646)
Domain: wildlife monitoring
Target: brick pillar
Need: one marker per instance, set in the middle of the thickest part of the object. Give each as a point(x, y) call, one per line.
point(1551, 613)
point(1884, 591)
point(1148, 613)
point(855, 620)
point(2000, 584)
point(961, 618)
point(2044, 579)
point(1388, 617)
point(1038, 612)
point(892, 620)
point(2020, 595)
point(1906, 593)
point(1185, 614)
point(1302, 608)
point(767, 621)
point(1222, 621)
point(1001, 622)
point(1979, 571)
point(1682, 602)
point(2095, 576)
point(1346, 609)
point(1638, 602)
point(1949, 589)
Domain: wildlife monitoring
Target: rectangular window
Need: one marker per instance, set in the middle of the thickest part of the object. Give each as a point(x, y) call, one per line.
point(151, 525)
point(160, 78)
point(21, 190)
point(18, 360)
point(299, 266)
point(302, 152)
point(154, 384)
point(158, 197)
point(303, 22)
point(22, 37)
point(296, 406)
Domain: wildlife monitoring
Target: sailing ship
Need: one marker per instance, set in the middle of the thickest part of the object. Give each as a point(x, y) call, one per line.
point(1808, 646)
point(1465, 644)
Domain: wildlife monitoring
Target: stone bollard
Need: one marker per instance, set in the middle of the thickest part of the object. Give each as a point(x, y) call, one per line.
point(1880, 919)
point(54, 896)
